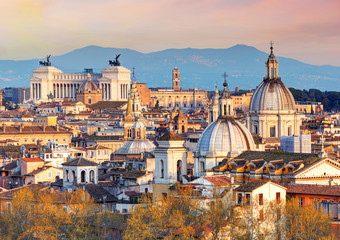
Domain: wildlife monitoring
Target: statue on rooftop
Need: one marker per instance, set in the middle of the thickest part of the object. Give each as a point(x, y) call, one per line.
point(47, 62)
point(115, 62)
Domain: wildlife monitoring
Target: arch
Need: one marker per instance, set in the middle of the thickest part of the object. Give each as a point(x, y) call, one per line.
point(92, 176)
point(73, 177)
point(67, 176)
point(179, 170)
point(82, 176)
point(161, 164)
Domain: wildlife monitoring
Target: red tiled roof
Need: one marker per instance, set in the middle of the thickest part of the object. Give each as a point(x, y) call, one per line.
point(219, 180)
point(32, 159)
point(251, 186)
point(131, 193)
point(313, 189)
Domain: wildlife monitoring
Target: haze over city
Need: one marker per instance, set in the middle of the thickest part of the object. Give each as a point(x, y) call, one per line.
point(304, 30)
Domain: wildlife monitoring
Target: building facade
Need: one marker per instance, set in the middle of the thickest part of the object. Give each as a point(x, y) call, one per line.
point(272, 111)
point(177, 97)
point(49, 82)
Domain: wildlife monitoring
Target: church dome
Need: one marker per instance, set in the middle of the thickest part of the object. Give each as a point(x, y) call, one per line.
point(88, 85)
point(138, 125)
point(272, 96)
point(136, 146)
point(225, 137)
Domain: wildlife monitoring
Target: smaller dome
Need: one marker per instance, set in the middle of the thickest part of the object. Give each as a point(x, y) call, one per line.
point(88, 85)
point(138, 125)
point(136, 146)
point(225, 137)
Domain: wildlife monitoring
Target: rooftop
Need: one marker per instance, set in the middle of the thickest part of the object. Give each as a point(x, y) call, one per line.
point(80, 162)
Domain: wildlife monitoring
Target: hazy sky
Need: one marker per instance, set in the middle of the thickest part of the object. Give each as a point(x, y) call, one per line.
point(307, 30)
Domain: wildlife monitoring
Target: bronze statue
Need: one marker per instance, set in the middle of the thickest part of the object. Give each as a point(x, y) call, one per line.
point(116, 62)
point(47, 62)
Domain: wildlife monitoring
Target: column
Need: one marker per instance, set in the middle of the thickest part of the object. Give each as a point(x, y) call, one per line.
point(39, 90)
point(36, 91)
point(32, 90)
point(61, 90)
point(109, 91)
point(121, 91)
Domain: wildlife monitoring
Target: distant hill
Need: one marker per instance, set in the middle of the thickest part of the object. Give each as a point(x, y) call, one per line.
point(199, 68)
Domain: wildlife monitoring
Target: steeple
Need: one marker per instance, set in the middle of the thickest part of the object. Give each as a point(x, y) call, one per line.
point(129, 107)
point(226, 102)
point(272, 65)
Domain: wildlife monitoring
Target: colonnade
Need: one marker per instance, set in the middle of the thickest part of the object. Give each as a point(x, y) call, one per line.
point(36, 90)
point(124, 91)
point(106, 91)
point(65, 90)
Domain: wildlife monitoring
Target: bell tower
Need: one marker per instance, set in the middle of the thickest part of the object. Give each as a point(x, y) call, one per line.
point(176, 83)
point(272, 65)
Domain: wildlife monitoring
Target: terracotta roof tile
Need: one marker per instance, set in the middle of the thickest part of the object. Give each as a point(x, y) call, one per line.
point(170, 136)
point(313, 189)
point(251, 186)
point(32, 160)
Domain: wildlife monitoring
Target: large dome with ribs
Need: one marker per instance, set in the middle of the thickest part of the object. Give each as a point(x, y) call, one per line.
point(225, 137)
point(272, 96)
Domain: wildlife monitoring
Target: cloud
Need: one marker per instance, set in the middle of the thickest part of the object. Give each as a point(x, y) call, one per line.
point(38, 27)
point(5, 79)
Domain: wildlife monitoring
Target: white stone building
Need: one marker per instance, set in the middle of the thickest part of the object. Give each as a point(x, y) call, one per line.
point(114, 81)
point(79, 171)
point(225, 137)
point(272, 111)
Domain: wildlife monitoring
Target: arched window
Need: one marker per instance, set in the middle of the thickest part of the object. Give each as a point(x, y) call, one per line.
point(202, 167)
point(82, 177)
point(161, 164)
point(92, 176)
point(179, 170)
point(183, 129)
point(73, 178)
point(225, 109)
point(129, 132)
point(67, 176)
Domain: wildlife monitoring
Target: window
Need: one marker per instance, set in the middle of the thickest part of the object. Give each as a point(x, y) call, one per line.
point(164, 195)
point(261, 215)
point(161, 169)
point(82, 174)
point(261, 199)
point(301, 201)
point(248, 199)
point(67, 176)
point(239, 198)
point(49, 174)
point(278, 196)
point(272, 131)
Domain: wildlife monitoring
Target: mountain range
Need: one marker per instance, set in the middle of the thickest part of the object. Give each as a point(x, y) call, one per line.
point(199, 68)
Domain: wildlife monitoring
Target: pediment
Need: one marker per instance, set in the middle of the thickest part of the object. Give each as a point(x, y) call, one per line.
point(324, 168)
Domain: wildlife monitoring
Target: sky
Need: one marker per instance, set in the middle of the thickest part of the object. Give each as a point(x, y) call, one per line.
point(306, 30)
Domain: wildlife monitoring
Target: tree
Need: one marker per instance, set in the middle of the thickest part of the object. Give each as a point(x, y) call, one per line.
point(40, 213)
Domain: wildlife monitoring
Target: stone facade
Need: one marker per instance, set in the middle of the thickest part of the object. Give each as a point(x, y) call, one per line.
point(114, 82)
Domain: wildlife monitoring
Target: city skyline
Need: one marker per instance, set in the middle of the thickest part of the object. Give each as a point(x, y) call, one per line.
point(303, 30)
